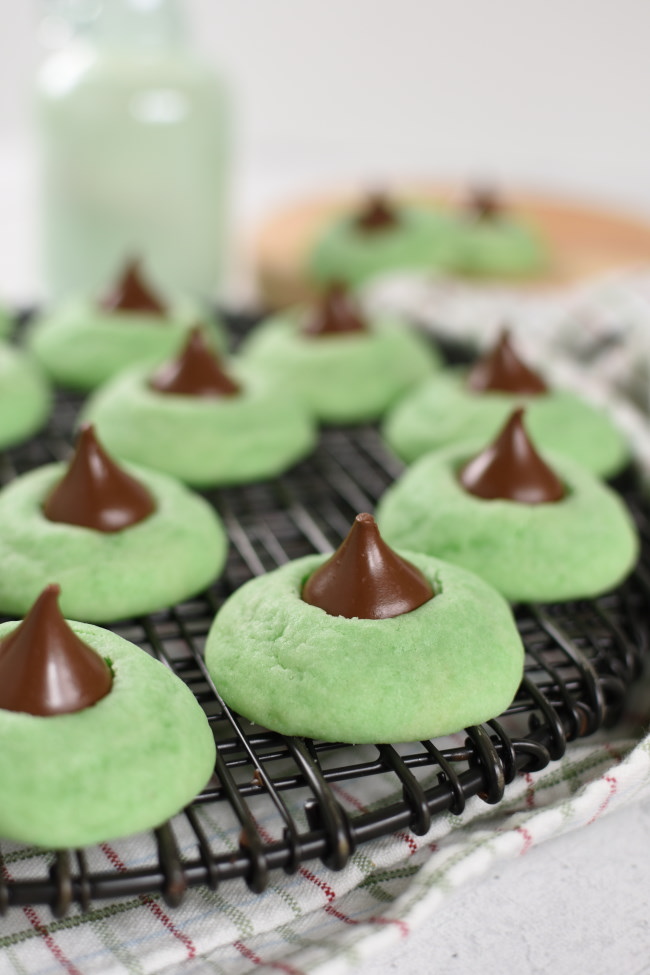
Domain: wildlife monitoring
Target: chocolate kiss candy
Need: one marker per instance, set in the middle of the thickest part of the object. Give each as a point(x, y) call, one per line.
point(366, 579)
point(196, 372)
point(45, 668)
point(336, 314)
point(96, 493)
point(501, 371)
point(484, 203)
point(132, 293)
point(511, 469)
point(376, 213)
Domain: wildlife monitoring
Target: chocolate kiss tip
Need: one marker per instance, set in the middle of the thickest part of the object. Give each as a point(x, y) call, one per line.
point(501, 370)
point(95, 492)
point(45, 668)
point(510, 469)
point(195, 372)
point(50, 593)
point(335, 314)
point(376, 213)
point(484, 202)
point(366, 579)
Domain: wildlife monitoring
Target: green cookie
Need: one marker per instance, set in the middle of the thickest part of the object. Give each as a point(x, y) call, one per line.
point(499, 247)
point(171, 555)
point(424, 239)
point(200, 440)
point(580, 546)
point(350, 378)
point(444, 412)
point(80, 346)
point(126, 764)
point(25, 398)
point(454, 661)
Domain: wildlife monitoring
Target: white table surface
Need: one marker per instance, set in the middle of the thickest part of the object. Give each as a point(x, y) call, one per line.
point(577, 904)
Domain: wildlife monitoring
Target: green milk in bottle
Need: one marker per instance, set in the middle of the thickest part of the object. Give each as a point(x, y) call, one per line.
point(134, 153)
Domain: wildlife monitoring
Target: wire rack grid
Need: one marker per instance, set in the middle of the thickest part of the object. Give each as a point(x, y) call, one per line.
point(284, 794)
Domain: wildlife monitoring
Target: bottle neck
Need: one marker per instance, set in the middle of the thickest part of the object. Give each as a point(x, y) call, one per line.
point(122, 25)
point(140, 24)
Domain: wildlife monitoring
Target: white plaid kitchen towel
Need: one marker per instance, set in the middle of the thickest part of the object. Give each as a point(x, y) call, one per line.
point(318, 920)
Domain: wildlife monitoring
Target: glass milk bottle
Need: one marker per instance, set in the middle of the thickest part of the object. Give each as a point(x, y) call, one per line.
point(134, 152)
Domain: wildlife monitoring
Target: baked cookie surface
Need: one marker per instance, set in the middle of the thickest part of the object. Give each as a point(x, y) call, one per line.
point(420, 238)
point(502, 247)
point(170, 555)
point(443, 411)
point(454, 661)
point(580, 546)
point(348, 378)
point(25, 397)
point(81, 346)
point(204, 441)
point(125, 764)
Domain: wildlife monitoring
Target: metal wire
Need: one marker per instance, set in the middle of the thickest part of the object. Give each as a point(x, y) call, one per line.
point(581, 657)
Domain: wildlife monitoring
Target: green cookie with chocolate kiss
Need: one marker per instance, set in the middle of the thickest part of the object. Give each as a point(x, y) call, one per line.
point(97, 739)
point(346, 367)
point(191, 418)
point(492, 242)
point(121, 542)
point(537, 528)
point(86, 341)
point(382, 236)
point(463, 406)
point(368, 645)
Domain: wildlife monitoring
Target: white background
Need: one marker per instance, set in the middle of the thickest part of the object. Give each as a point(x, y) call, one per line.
point(536, 93)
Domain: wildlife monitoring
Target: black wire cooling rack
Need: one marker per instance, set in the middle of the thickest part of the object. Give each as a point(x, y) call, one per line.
point(581, 658)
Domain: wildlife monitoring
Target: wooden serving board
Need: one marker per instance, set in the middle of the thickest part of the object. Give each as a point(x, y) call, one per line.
point(584, 241)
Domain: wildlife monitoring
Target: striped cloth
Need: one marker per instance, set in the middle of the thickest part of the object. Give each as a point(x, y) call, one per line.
point(317, 920)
